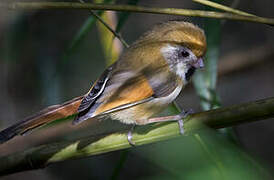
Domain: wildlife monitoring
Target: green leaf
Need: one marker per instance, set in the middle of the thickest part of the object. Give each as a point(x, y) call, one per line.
point(123, 16)
point(187, 158)
point(82, 33)
point(205, 80)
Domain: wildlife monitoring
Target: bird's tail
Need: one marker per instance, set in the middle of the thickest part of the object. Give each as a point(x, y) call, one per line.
point(43, 117)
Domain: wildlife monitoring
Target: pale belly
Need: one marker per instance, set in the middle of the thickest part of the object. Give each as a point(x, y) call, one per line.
point(141, 113)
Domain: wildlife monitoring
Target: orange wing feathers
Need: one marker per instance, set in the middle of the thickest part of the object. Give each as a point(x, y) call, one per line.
point(134, 90)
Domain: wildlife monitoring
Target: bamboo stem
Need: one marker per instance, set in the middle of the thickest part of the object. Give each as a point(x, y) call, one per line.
point(222, 7)
point(131, 8)
point(44, 155)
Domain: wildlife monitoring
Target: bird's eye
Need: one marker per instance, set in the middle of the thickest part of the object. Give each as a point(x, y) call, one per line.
point(184, 53)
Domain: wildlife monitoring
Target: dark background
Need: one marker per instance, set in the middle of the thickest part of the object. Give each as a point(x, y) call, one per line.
point(34, 74)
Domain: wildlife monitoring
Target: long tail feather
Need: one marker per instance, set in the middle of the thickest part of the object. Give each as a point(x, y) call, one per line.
point(43, 117)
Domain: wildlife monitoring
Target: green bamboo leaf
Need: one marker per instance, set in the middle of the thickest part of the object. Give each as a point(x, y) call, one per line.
point(123, 16)
point(205, 85)
point(205, 80)
point(189, 159)
point(82, 33)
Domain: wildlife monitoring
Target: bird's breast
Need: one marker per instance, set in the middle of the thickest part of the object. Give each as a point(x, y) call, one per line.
point(141, 113)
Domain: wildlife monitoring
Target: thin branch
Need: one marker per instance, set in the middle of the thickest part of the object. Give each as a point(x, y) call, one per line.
point(222, 7)
point(131, 8)
point(108, 27)
point(44, 155)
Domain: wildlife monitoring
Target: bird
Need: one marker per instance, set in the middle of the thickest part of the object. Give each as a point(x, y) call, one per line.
point(145, 79)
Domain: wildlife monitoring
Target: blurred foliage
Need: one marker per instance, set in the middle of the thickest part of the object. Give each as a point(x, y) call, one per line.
point(186, 158)
point(82, 33)
point(112, 49)
point(205, 80)
point(123, 16)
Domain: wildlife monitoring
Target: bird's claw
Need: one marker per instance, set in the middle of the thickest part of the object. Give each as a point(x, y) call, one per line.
point(129, 136)
point(181, 126)
point(182, 115)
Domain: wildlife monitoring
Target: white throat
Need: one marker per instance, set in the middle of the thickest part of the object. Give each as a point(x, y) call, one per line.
point(171, 56)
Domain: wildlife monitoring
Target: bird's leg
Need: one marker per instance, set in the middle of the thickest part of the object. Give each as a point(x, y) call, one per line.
point(183, 114)
point(178, 118)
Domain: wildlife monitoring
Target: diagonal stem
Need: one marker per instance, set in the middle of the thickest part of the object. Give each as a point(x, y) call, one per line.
point(108, 27)
point(223, 7)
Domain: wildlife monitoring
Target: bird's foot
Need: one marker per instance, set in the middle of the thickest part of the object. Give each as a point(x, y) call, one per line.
point(182, 115)
point(129, 136)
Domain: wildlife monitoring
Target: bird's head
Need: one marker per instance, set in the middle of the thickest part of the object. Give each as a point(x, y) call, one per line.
point(178, 44)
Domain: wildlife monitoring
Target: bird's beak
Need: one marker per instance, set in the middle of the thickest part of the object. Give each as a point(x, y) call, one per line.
point(199, 63)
